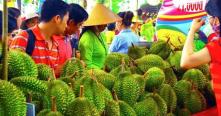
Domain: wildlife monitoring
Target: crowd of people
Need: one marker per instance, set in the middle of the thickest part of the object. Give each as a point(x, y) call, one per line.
point(53, 36)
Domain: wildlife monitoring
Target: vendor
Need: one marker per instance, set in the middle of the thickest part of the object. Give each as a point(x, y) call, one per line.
point(126, 37)
point(92, 45)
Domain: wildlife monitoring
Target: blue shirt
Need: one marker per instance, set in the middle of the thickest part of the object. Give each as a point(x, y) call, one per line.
point(123, 41)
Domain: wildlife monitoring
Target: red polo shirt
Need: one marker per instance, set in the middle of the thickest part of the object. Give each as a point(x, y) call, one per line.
point(41, 52)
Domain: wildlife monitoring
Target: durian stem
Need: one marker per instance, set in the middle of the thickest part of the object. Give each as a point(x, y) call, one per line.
point(4, 41)
point(53, 74)
point(115, 95)
point(53, 104)
point(81, 91)
point(70, 85)
point(74, 75)
point(29, 99)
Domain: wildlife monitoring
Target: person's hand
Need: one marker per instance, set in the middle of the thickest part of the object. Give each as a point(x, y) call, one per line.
point(197, 24)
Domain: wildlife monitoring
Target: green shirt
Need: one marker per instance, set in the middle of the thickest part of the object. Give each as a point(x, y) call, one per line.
point(93, 49)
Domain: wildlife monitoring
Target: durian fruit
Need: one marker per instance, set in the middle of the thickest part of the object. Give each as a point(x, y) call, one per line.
point(170, 76)
point(160, 48)
point(205, 70)
point(182, 89)
point(162, 105)
point(135, 69)
point(209, 95)
point(196, 77)
point(155, 77)
point(94, 91)
point(195, 102)
point(21, 64)
point(69, 81)
point(117, 107)
point(30, 85)
point(169, 96)
point(149, 61)
point(174, 60)
point(170, 114)
point(183, 112)
point(126, 109)
point(104, 78)
point(147, 107)
point(121, 68)
point(81, 106)
point(112, 108)
point(12, 100)
point(127, 88)
point(115, 59)
point(44, 72)
point(141, 82)
point(136, 52)
point(62, 92)
point(72, 66)
point(52, 112)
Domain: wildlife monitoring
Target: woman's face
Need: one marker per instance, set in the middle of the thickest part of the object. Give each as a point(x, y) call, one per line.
point(101, 28)
point(214, 21)
point(215, 24)
point(19, 21)
point(118, 25)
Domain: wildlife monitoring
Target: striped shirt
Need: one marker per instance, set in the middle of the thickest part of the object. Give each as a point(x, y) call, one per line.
point(41, 52)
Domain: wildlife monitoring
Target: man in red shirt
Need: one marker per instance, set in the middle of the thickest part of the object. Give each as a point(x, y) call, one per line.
point(69, 42)
point(38, 41)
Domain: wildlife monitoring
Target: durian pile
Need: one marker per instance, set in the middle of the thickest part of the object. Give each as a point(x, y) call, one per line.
point(141, 83)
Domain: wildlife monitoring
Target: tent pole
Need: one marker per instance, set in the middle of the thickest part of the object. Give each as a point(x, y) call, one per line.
point(4, 41)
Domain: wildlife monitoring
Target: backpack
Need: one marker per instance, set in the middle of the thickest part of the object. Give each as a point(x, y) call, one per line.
point(31, 42)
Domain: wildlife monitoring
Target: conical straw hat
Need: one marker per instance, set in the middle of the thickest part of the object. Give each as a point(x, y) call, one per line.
point(101, 15)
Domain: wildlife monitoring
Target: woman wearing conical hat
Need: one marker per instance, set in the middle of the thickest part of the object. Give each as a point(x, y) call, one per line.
point(92, 45)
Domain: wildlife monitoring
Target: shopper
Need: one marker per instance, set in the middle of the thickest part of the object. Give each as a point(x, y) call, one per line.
point(16, 13)
point(92, 45)
point(30, 20)
point(126, 37)
point(209, 54)
point(12, 25)
point(68, 43)
point(39, 42)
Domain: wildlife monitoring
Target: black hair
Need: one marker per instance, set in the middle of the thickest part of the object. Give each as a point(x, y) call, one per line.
point(139, 12)
point(111, 26)
point(127, 17)
point(51, 8)
point(14, 12)
point(12, 23)
point(84, 29)
point(77, 13)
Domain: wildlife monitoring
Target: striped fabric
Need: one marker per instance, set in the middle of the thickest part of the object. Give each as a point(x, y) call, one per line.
point(215, 70)
point(41, 52)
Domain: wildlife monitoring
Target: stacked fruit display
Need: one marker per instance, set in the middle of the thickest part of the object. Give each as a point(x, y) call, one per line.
point(142, 83)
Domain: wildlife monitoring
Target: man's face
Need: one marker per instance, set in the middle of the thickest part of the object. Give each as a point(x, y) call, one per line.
point(73, 27)
point(61, 24)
